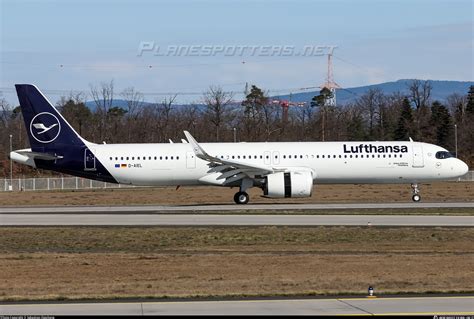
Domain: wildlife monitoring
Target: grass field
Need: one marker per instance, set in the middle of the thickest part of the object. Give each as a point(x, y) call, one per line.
point(39, 263)
point(436, 192)
point(128, 262)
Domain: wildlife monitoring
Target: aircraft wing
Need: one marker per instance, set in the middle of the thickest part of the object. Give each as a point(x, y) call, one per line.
point(228, 171)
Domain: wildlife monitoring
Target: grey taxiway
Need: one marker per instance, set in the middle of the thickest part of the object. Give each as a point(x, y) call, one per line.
point(232, 215)
point(449, 305)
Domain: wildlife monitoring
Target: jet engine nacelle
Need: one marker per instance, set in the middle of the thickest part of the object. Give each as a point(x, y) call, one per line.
point(289, 184)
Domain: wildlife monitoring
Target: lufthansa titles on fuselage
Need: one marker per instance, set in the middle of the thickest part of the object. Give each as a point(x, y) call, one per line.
point(370, 148)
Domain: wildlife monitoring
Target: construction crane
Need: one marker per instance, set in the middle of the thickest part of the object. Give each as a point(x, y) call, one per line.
point(285, 104)
point(330, 84)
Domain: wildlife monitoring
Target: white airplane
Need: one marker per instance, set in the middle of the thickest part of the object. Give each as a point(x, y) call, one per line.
point(279, 169)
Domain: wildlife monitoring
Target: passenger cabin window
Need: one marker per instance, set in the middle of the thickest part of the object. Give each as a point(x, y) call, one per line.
point(443, 155)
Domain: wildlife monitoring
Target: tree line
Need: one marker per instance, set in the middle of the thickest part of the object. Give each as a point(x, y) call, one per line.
point(373, 116)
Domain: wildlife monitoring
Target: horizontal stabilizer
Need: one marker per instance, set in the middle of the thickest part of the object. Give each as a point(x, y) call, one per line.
point(27, 157)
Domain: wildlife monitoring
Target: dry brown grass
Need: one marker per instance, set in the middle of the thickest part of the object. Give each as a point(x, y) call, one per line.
point(436, 192)
point(120, 262)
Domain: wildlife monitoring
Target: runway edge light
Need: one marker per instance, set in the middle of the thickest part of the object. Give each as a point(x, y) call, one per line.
point(371, 292)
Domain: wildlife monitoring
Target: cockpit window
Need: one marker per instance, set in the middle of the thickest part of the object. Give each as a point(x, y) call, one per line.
point(442, 155)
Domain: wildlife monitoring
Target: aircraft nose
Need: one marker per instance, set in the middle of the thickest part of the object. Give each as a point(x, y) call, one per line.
point(463, 168)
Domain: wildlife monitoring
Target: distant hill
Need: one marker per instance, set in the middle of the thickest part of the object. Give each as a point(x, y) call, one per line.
point(123, 104)
point(440, 90)
point(117, 102)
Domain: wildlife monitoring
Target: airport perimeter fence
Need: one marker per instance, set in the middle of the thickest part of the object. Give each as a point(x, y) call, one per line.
point(55, 183)
point(68, 183)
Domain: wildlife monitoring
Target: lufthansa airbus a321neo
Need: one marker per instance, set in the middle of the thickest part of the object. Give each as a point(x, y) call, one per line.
point(279, 169)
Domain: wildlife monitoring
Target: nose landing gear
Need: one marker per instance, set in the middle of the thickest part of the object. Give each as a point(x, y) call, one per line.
point(415, 191)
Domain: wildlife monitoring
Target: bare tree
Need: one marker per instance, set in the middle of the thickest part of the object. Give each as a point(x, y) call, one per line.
point(305, 119)
point(189, 118)
point(457, 104)
point(165, 109)
point(5, 112)
point(217, 107)
point(372, 102)
point(103, 98)
point(270, 117)
point(420, 93)
point(134, 101)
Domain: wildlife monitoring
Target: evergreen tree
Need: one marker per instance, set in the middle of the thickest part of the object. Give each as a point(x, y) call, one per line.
point(321, 101)
point(470, 101)
point(404, 127)
point(467, 137)
point(441, 123)
point(254, 112)
point(255, 100)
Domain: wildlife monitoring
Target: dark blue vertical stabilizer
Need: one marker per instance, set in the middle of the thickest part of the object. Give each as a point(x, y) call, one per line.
point(46, 128)
point(50, 133)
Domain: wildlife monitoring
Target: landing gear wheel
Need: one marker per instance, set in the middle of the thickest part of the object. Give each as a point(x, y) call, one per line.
point(415, 191)
point(241, 198)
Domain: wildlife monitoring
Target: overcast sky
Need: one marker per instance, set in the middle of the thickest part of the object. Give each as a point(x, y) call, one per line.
point(69, 45)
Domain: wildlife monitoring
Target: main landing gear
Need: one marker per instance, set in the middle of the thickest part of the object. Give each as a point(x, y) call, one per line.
point(415, 191)
point(242, 197)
